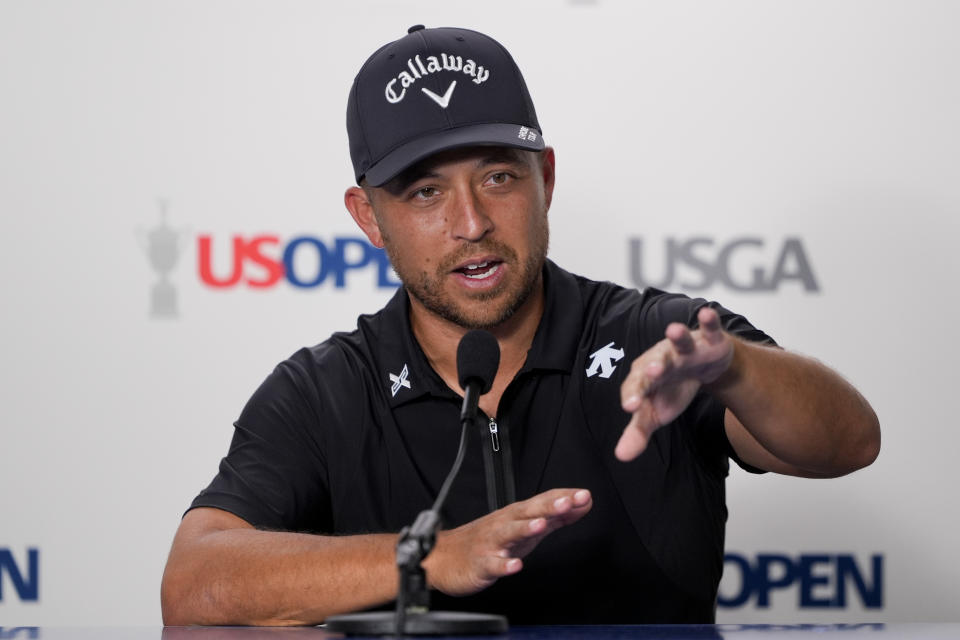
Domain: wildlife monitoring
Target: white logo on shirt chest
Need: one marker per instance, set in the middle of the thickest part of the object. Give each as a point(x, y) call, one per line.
point(602, 361)
point(399, 380)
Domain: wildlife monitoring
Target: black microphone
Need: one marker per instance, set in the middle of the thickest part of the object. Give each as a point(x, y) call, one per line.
point(478, 357)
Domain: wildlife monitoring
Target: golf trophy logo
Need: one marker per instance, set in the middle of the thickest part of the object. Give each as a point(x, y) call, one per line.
point(163, 245)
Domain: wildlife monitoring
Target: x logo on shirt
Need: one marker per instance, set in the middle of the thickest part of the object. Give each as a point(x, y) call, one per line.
point(399, 380)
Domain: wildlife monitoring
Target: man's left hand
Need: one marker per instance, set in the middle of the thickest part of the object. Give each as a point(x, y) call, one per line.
point(664, 380)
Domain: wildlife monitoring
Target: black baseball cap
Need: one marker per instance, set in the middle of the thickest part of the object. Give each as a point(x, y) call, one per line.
point(433, 90)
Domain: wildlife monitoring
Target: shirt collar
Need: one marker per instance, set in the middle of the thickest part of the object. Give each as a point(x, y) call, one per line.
point(554, 345)
point(400, 350)
point(558, 336)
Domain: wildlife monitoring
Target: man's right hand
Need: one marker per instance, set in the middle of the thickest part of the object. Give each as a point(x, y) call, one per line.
point(473, 556)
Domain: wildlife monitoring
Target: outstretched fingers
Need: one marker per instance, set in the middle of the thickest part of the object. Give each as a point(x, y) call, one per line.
point(498, 566)
point(515, 530)
point(530, 521)
point(646, 373)
point(633, 440)
point(555, 506)
point(521, 526)
point(473, 556)
point(664, 379)
point(710, 326)
point(681, 338)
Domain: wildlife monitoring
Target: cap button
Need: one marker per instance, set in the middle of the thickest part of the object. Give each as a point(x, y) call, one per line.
point(416, 27)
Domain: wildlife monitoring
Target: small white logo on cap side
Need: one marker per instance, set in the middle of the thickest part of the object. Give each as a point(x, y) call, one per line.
point(417, 69)
point(526, 134)
point(445, 100)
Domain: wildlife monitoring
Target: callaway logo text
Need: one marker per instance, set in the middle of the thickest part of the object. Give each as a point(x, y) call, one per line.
point(417, 70)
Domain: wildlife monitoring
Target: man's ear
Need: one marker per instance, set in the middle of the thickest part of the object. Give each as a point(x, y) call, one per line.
point(548, 163)
point(361, 210)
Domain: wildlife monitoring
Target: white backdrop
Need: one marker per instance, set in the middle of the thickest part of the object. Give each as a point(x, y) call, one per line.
point(830, 128)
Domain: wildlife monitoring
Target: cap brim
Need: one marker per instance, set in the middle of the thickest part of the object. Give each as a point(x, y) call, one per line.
point(492, 135)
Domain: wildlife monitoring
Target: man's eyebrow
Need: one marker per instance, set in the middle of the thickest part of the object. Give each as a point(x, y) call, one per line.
point(406, 178)
point(426, 168)
point(510, 156)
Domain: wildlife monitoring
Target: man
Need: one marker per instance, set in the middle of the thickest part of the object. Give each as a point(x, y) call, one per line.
point(561, 513)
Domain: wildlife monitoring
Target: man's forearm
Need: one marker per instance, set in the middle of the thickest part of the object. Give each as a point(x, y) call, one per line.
point(223, 571)
point(244, 576)
point(799, 410)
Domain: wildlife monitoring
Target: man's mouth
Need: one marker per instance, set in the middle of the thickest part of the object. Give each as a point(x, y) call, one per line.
point(480, 270)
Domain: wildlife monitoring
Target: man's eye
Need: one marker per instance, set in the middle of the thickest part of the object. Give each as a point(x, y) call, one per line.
point(500, 178)
point(424, 193)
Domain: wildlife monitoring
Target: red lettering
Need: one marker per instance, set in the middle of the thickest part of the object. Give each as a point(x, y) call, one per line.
point(243, 251)
point(205, 263)
point(274, 268)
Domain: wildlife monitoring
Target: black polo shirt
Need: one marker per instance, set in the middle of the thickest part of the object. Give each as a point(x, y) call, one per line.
point(356, 435)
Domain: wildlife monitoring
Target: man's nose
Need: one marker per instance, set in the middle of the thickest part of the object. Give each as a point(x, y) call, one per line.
point(471, 222)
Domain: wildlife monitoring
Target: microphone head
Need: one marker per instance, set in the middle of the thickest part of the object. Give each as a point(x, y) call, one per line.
point(478, 357)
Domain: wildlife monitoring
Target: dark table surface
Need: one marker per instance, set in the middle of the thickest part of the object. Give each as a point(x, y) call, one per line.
point(931, 631)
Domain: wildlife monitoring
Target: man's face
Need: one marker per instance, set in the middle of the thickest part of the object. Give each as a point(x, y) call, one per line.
point(467, 231)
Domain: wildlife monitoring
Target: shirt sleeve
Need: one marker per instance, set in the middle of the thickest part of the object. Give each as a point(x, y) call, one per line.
point(275, 474)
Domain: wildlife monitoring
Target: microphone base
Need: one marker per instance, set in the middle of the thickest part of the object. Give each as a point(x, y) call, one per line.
point(430, 623)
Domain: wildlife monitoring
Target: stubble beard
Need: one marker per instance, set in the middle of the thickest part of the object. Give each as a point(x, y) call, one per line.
point(489, 308)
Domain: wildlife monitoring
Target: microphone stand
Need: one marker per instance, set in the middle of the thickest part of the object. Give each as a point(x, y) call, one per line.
point(412, 615)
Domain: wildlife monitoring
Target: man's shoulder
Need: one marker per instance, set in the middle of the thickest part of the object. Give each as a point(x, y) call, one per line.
point(651, 310)
point(604, 301)
point(344, 356)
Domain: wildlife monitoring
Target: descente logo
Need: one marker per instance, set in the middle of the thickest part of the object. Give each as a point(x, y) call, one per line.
point(478, 72)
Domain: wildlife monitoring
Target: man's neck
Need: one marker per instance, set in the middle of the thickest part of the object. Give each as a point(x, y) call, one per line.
point(439, 339)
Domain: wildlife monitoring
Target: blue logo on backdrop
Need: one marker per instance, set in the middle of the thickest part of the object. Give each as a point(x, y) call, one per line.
point(8, 633)
point(814, 627)
point(25, 583)
point(823, 580)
